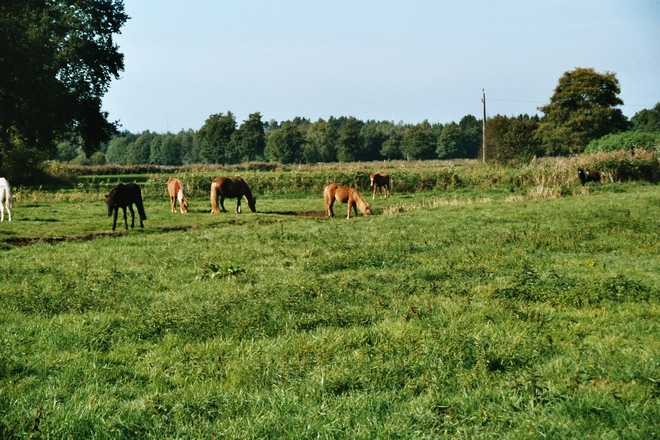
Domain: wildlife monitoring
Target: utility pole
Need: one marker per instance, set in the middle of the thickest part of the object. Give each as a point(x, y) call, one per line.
point(483, 99)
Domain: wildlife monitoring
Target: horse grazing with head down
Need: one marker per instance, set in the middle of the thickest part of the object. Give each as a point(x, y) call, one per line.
point(588, 176)
point(228, 188)
point(122, 196)
point(175, 189)
point(380, 181)
point(6, 201)
point(343, 194)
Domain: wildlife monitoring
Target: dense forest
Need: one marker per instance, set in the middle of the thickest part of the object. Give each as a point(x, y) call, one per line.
point(345, 139)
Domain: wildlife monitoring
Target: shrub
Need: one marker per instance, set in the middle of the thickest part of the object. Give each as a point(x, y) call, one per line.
point(628, 140)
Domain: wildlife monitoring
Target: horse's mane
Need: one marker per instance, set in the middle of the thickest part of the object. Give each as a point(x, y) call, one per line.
point(362, 204)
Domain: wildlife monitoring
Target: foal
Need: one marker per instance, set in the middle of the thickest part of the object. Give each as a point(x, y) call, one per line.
point(175, 189)
point(588, 176)
point(380, 181)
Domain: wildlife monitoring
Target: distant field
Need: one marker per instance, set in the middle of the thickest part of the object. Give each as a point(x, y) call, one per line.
point(510, 311)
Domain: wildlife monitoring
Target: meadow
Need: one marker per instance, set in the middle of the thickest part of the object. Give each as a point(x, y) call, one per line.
point(522, 307)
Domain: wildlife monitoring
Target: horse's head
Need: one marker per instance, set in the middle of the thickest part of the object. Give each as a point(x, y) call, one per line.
point(581, 175)
point(372, 179)
point(108, 201)
point(252, 204)
point(184, 205)
point(367, 210)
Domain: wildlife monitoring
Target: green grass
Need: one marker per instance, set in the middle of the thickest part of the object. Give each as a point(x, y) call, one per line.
point(468, 313)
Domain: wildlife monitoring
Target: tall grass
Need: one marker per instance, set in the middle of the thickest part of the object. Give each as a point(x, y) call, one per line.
point(557, 174)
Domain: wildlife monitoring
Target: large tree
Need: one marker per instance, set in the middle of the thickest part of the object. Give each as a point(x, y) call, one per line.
point(57, 59)
point(214, 138)
point(349, 143)
point(419, 142)
point(647, 120)
point(285, 144)
point(320, 143)
point(581, 109)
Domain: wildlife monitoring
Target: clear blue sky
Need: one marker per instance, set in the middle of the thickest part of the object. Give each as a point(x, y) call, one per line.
point(385, 60)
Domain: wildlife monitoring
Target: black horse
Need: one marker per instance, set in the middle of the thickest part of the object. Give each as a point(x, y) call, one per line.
point(122, 196)
point(588, 176)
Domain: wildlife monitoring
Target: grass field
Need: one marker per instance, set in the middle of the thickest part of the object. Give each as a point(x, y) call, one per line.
point(493, 312)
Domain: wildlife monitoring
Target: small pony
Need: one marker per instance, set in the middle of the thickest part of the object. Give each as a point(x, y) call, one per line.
point(343, 194)
point(380, 181)
point(588, 176)
point(175, 189)
point(122, 196)
point(6, 201)
point(228, 188)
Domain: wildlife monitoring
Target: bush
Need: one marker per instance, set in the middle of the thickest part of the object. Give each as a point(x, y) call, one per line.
point(628, 140)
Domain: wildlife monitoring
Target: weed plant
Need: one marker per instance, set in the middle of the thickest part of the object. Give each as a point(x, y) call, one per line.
point(497, 312)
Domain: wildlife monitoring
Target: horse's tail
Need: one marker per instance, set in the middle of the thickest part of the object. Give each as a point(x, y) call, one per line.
point(140, 207)
point(140, 204)
point(214, 197)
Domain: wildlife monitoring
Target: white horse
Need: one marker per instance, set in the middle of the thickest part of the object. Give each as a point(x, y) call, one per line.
point(5, 199)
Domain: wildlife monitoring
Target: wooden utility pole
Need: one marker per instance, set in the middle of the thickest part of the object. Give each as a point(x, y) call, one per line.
point(483, 99)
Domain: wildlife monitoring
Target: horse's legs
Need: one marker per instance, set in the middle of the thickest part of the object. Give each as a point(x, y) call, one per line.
point(114, 222)
point(222, 203)
point(330, 212)
point(130, 208)
point(2, 212)
point(374, 196)
point(173, 203)
point(238, 205)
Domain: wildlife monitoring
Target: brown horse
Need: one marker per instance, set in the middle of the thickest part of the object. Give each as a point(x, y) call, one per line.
point(588, 176)
point(343, 194)
point(122, 196)
point(226, 187)
point(175, 189)
point(380, 181)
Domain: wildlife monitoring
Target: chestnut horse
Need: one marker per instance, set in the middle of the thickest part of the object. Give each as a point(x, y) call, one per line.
point(226, 187)
point(380, 181)
point(122, 196)
point(5, 199)
point(588, 176)
point(175, 189)
point(343, 194)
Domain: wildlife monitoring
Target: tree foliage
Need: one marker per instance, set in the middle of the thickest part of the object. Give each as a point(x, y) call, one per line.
point(57, 59)
point(647, 120)
point(214, 138)
point(285, 144)
point(581, 109)
point(511, 138)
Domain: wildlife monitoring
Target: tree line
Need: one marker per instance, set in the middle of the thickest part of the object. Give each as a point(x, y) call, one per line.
point(345, 139)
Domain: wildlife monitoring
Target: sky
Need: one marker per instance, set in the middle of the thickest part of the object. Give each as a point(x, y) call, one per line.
point(386, 60)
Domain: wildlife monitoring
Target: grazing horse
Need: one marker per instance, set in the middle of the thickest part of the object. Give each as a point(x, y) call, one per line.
point(175, 189)
point(380, 181)
point(6, 201)
point(228, 188)
point(343, 194)
point(122, 196)
point(588, 176)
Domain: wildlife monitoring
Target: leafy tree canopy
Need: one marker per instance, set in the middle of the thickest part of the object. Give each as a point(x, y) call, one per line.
point(647, 120)
point(57, 59)
point(581, 109)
